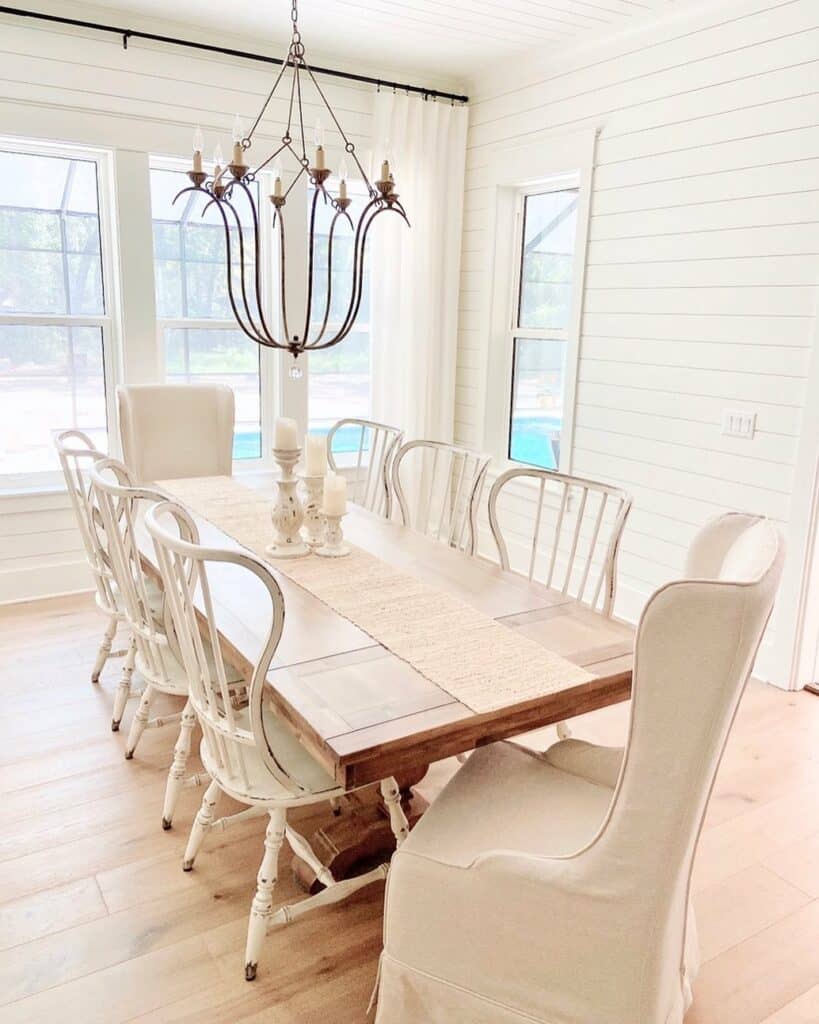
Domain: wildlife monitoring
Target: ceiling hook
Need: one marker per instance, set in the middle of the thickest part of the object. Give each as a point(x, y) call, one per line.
point(126, 35)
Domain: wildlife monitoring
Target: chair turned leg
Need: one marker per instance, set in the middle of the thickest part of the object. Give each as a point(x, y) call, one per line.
point(124, 688)
point(261, 909)
point(398, 820)
point(105, 649)
point(201, 825)
point(176, 774)
point(139, 722)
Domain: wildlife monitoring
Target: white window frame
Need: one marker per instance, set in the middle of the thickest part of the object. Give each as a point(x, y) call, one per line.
point(269, 364)
point(551, 165)
point(514, 332)
point(52, 480)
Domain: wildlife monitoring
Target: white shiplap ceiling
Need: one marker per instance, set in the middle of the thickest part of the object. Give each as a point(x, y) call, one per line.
point(448, 39)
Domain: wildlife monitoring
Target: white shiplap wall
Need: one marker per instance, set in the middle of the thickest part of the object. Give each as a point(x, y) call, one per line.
point(703, 260)
point(80, 87)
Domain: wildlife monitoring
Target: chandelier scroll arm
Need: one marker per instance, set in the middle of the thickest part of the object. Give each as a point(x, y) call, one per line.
point(282, 277)
point(259, 332)
point(308, 315)
point(355, 302)
point(257, 253)
point(229, 275)
point(369, 213)
point(329, 296)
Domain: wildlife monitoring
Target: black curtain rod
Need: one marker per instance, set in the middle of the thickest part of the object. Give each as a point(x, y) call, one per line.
point(128, 33)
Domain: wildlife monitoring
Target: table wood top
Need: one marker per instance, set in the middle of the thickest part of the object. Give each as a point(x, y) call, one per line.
point(364, 713)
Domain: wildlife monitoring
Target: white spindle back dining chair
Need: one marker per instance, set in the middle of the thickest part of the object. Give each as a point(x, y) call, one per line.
point(438, 487)
point(77, 454)
point(375, 445)
point(250, 753)
point(565, 532)
point(122, 505)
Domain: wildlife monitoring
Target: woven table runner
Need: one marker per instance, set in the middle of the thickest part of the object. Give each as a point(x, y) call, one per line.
point(478, 661)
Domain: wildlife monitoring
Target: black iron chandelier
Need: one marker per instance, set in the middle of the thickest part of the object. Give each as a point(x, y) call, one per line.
point(228, 187)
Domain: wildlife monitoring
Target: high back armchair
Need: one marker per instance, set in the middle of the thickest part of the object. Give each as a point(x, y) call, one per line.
point(555, 888)
point(169, 431)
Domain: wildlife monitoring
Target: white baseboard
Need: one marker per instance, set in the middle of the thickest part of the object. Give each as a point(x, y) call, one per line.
point(17, 585)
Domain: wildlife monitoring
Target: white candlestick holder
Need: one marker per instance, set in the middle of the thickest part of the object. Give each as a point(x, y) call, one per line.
point(314, 530)
point(334, 545)
point(287, 514)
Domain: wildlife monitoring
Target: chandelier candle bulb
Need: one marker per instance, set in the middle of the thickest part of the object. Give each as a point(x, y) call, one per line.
point(286, 436)
point(315, 449)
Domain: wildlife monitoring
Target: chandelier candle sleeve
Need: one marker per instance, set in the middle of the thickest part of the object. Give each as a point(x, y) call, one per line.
point(198, 146)
point(286, 436)
point(315, 448)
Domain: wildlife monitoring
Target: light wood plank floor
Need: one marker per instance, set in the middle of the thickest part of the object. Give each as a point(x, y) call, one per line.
point(99, 924)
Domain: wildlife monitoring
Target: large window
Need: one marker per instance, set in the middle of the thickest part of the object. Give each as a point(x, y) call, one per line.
point(53, 320)
point(539, 331)
point(339, 377)
point(199, 337)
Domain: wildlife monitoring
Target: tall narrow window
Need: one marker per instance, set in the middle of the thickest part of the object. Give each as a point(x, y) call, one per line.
point(201, 342)
point(540, 325)
point(339, 377)
point(53, 322)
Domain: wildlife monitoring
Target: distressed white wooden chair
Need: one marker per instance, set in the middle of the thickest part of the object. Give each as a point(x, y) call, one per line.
point(250, 754)
point(121, 505)
point(565, 533)
point(438, 487)
point(176, 430)
point(368, 463)
point(77, 454)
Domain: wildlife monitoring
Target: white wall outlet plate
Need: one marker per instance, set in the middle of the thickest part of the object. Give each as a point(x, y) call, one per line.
point(739, 423)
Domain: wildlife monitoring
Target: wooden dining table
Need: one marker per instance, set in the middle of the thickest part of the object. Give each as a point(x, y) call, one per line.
point(364, 713)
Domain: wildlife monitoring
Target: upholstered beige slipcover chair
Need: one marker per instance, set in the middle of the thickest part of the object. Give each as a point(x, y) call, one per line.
point(555, 887)
point(170, 431)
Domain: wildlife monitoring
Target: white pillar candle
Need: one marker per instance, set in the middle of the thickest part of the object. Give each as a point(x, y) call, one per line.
point(315, 452)
point(286, 437)
point(335, 495)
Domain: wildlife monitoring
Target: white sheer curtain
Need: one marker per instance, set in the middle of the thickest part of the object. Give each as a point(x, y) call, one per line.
point(415, 271)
